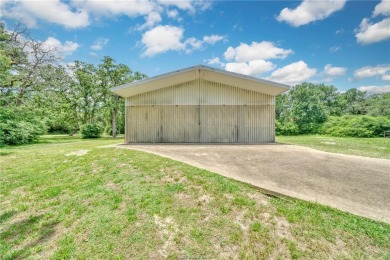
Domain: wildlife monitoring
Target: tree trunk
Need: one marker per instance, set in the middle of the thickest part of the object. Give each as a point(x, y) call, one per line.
point(114, 113)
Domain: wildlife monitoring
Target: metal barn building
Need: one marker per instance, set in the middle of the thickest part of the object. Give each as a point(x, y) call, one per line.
point(200, 105)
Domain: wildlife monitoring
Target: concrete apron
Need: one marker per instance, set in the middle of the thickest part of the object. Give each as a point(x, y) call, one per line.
point(356, 184)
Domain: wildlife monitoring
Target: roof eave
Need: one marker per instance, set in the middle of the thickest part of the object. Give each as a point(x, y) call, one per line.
point(204, 72)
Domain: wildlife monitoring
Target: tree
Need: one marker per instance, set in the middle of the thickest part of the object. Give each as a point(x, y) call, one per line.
point(352, 102)
point(305, 107)
point(23, 61)
point(378, 105)
point(110, 75)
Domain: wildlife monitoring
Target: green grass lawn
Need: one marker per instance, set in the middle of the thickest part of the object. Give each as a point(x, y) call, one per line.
point(371, 147)
point(69, 198)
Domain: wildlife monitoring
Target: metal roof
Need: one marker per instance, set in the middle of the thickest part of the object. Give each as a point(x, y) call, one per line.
point(200, 72)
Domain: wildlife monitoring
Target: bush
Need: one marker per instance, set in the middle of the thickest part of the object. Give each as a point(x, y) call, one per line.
point(19, 127)
point(91, 131)
point(286, 128)
point(356, 126)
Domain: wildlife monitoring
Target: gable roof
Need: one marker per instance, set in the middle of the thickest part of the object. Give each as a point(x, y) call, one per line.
point(200, 72)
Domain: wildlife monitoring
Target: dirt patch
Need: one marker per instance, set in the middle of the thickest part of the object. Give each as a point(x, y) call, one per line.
point(242, 221)
point(78, 153)
point(112, 186)
point(283, 228)
point(205, 198)
point(167, 231)
point(259, 198)
point(174, 178)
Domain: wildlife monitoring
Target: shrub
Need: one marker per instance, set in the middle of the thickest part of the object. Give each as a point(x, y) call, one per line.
point(356, 126)
point(91, 131)
point(286, 128)
point(19, 127)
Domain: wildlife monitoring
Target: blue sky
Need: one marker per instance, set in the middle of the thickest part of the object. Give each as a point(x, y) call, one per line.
point(336, 42)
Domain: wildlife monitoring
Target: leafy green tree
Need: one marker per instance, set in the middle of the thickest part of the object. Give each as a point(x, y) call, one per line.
point(110, 75)
point(378, 105)
point(23, 63)
point(304, 106)
point(352, 102)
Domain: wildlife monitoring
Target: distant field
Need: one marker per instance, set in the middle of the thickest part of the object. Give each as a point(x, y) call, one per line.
point(67, 198)
point(371, 147)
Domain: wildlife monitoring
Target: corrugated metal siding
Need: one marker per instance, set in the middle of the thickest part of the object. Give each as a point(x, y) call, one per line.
point(200, 111)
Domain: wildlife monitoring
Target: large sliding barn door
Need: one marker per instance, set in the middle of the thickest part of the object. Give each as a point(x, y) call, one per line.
point(193, 124)
point(162, 124)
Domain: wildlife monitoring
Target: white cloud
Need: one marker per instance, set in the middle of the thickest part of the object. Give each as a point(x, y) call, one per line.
point(162, 39)
point(256, 51)
point(80, 13)
point(253, 68)
point(61, 50)
point(53, 11)
point(165, 38)
point(373, 32)
point(187, 5)
point(99, 44)
point(212, 39)
point(368, 71)
point(215, 61)
point(309, 11)
point(113, 8)
point(383, 8)
point(182, 4)
point(174, 14)
point(193, 43)
point(334, 49)
point(293, 73)
point(151, 20)
point(375, 89)
point(329, 70)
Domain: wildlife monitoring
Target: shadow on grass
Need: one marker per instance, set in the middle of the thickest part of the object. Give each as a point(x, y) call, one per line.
point(14, 236)
point(7, 215)
point(5, 153)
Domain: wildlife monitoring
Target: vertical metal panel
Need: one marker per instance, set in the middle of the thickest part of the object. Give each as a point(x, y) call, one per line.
point(200, 111)
point(182, 94)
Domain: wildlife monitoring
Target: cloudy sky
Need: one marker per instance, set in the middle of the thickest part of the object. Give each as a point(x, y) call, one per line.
point(337, 42)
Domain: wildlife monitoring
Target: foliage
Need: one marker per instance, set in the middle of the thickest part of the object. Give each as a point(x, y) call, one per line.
point(378, 105)
point(64, 98)
point(287, 128)
point(19, 127)
point(305, 108)
point(309, 108)
point(356, 126)
point(91, 131)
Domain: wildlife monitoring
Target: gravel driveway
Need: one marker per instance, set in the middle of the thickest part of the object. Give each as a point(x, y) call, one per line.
point(359, 185)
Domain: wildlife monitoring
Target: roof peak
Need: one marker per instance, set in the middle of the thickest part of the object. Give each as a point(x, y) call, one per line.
point(193, 73)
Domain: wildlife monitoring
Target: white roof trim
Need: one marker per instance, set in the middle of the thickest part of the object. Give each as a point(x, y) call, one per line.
point(204, 72)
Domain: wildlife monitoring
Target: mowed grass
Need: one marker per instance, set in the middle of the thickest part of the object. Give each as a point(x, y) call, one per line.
point(69, 198)
point(370, 147)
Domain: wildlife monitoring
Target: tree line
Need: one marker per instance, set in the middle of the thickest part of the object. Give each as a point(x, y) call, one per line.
point(310, 108)
point(39, 94)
